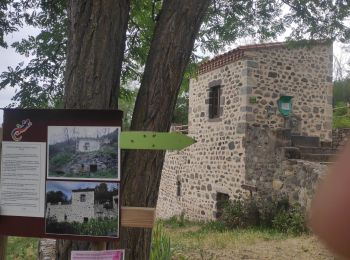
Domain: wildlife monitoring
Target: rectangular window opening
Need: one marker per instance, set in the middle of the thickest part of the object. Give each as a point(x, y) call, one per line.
point(82, 197)
point(214, 102)
point(93, 168)
point(222, 199)
point(178, 190)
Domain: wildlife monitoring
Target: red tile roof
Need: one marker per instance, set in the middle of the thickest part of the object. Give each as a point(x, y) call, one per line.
point(233, 55)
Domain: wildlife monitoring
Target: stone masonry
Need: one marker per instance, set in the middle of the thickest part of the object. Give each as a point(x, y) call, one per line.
point(235, 148)
point(82, 208)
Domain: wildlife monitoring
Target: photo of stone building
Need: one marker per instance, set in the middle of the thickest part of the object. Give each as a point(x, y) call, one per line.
point(71, 204)
point(262, 118)
point(83, 152)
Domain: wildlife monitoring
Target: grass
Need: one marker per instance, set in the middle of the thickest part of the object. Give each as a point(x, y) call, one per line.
point(195, 240)
point(93, 227)
point(19, 248)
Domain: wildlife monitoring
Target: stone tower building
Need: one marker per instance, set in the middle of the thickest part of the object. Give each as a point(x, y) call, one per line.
point(248, 108)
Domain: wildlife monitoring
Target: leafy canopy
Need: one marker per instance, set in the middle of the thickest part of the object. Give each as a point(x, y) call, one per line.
point(40, 82)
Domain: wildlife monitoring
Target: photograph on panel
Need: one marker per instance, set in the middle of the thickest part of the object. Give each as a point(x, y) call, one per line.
point(82, 208)
point(83, 152)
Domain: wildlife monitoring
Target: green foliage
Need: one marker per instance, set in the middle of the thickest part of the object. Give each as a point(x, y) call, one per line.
point(176, 221)
point(160, 249)
point(291, 221)
point(126, 104)
point(341, 91)
point(55, 197)
point(60, 159)
point(341, 122)
point(214, 226)
point(40, 82)
point(181, 110)
point(278, 214)
point(94, 227)
point(103, 195)
point(22, 248)
point(341, 118)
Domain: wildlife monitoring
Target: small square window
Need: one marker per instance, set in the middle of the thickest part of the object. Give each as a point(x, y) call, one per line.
point(178, 188)
point(214, 102)
point(82, 197)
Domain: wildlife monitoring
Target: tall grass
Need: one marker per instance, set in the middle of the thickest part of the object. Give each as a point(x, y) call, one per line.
point(161, 249)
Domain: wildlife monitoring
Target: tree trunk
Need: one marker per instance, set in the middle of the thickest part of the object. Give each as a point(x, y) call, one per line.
point(172, 44)
point(96, 43)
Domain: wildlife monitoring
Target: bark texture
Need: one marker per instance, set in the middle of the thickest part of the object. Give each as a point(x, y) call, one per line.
point(95, 50)
point(96, 43)
point(175, 33)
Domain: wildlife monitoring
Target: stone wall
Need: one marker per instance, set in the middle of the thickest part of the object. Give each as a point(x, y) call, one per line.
point(78, 210)
point(216, 162)
point(340, 137)
point(242, 145)
point(304, 73)
point(273, 174)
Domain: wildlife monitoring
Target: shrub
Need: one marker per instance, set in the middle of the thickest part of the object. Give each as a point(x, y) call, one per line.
point(233, 215)
point(290, 221)
point(265, 212)
point(240, 213)
point(61, 159)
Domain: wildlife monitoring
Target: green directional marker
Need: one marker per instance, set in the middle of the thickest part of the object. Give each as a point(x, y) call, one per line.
point(154, 140)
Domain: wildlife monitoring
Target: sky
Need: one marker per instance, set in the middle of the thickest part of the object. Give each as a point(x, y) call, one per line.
point(8, 57)
point(67, 186)
point(57, 134)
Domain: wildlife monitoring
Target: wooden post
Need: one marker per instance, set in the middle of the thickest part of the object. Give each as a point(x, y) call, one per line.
point(3, 239)
point(3, 245)
point(99, 246)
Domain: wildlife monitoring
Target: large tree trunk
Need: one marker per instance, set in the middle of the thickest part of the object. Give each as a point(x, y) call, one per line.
point(96, 43)
point(172, 44)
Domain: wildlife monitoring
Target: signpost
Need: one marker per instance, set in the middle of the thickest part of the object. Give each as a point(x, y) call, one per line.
point(154, 141)
point(85, 167)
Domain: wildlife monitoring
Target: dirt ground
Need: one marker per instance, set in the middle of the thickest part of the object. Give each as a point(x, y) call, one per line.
point(293, 248)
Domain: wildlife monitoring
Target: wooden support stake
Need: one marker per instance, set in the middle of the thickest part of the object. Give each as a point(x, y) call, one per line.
point(99, 246)
point(3, 245)
point(137, 217)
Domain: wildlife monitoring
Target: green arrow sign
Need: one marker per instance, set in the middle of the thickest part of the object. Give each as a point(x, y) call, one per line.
point(154, 140)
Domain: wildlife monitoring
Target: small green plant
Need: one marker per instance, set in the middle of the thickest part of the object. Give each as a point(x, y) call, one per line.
point(290, 221)
point(176, 221)
point(233, 214)
point(160, 249)
point(61, 159)
point(278, 214)
point(214, 226)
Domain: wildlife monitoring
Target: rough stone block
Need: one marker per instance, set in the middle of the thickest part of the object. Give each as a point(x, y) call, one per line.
point(272, 74)
point(241, 128)
point(252, 64)
point(330, 100)
point(277, 184)
point(231, 145)
point(246, 90)
point(246, 109)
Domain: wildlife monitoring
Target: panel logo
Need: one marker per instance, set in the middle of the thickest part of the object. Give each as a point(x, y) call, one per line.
point(17, 132)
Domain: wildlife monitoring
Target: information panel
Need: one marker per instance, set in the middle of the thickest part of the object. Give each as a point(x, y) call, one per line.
point(60, 173)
